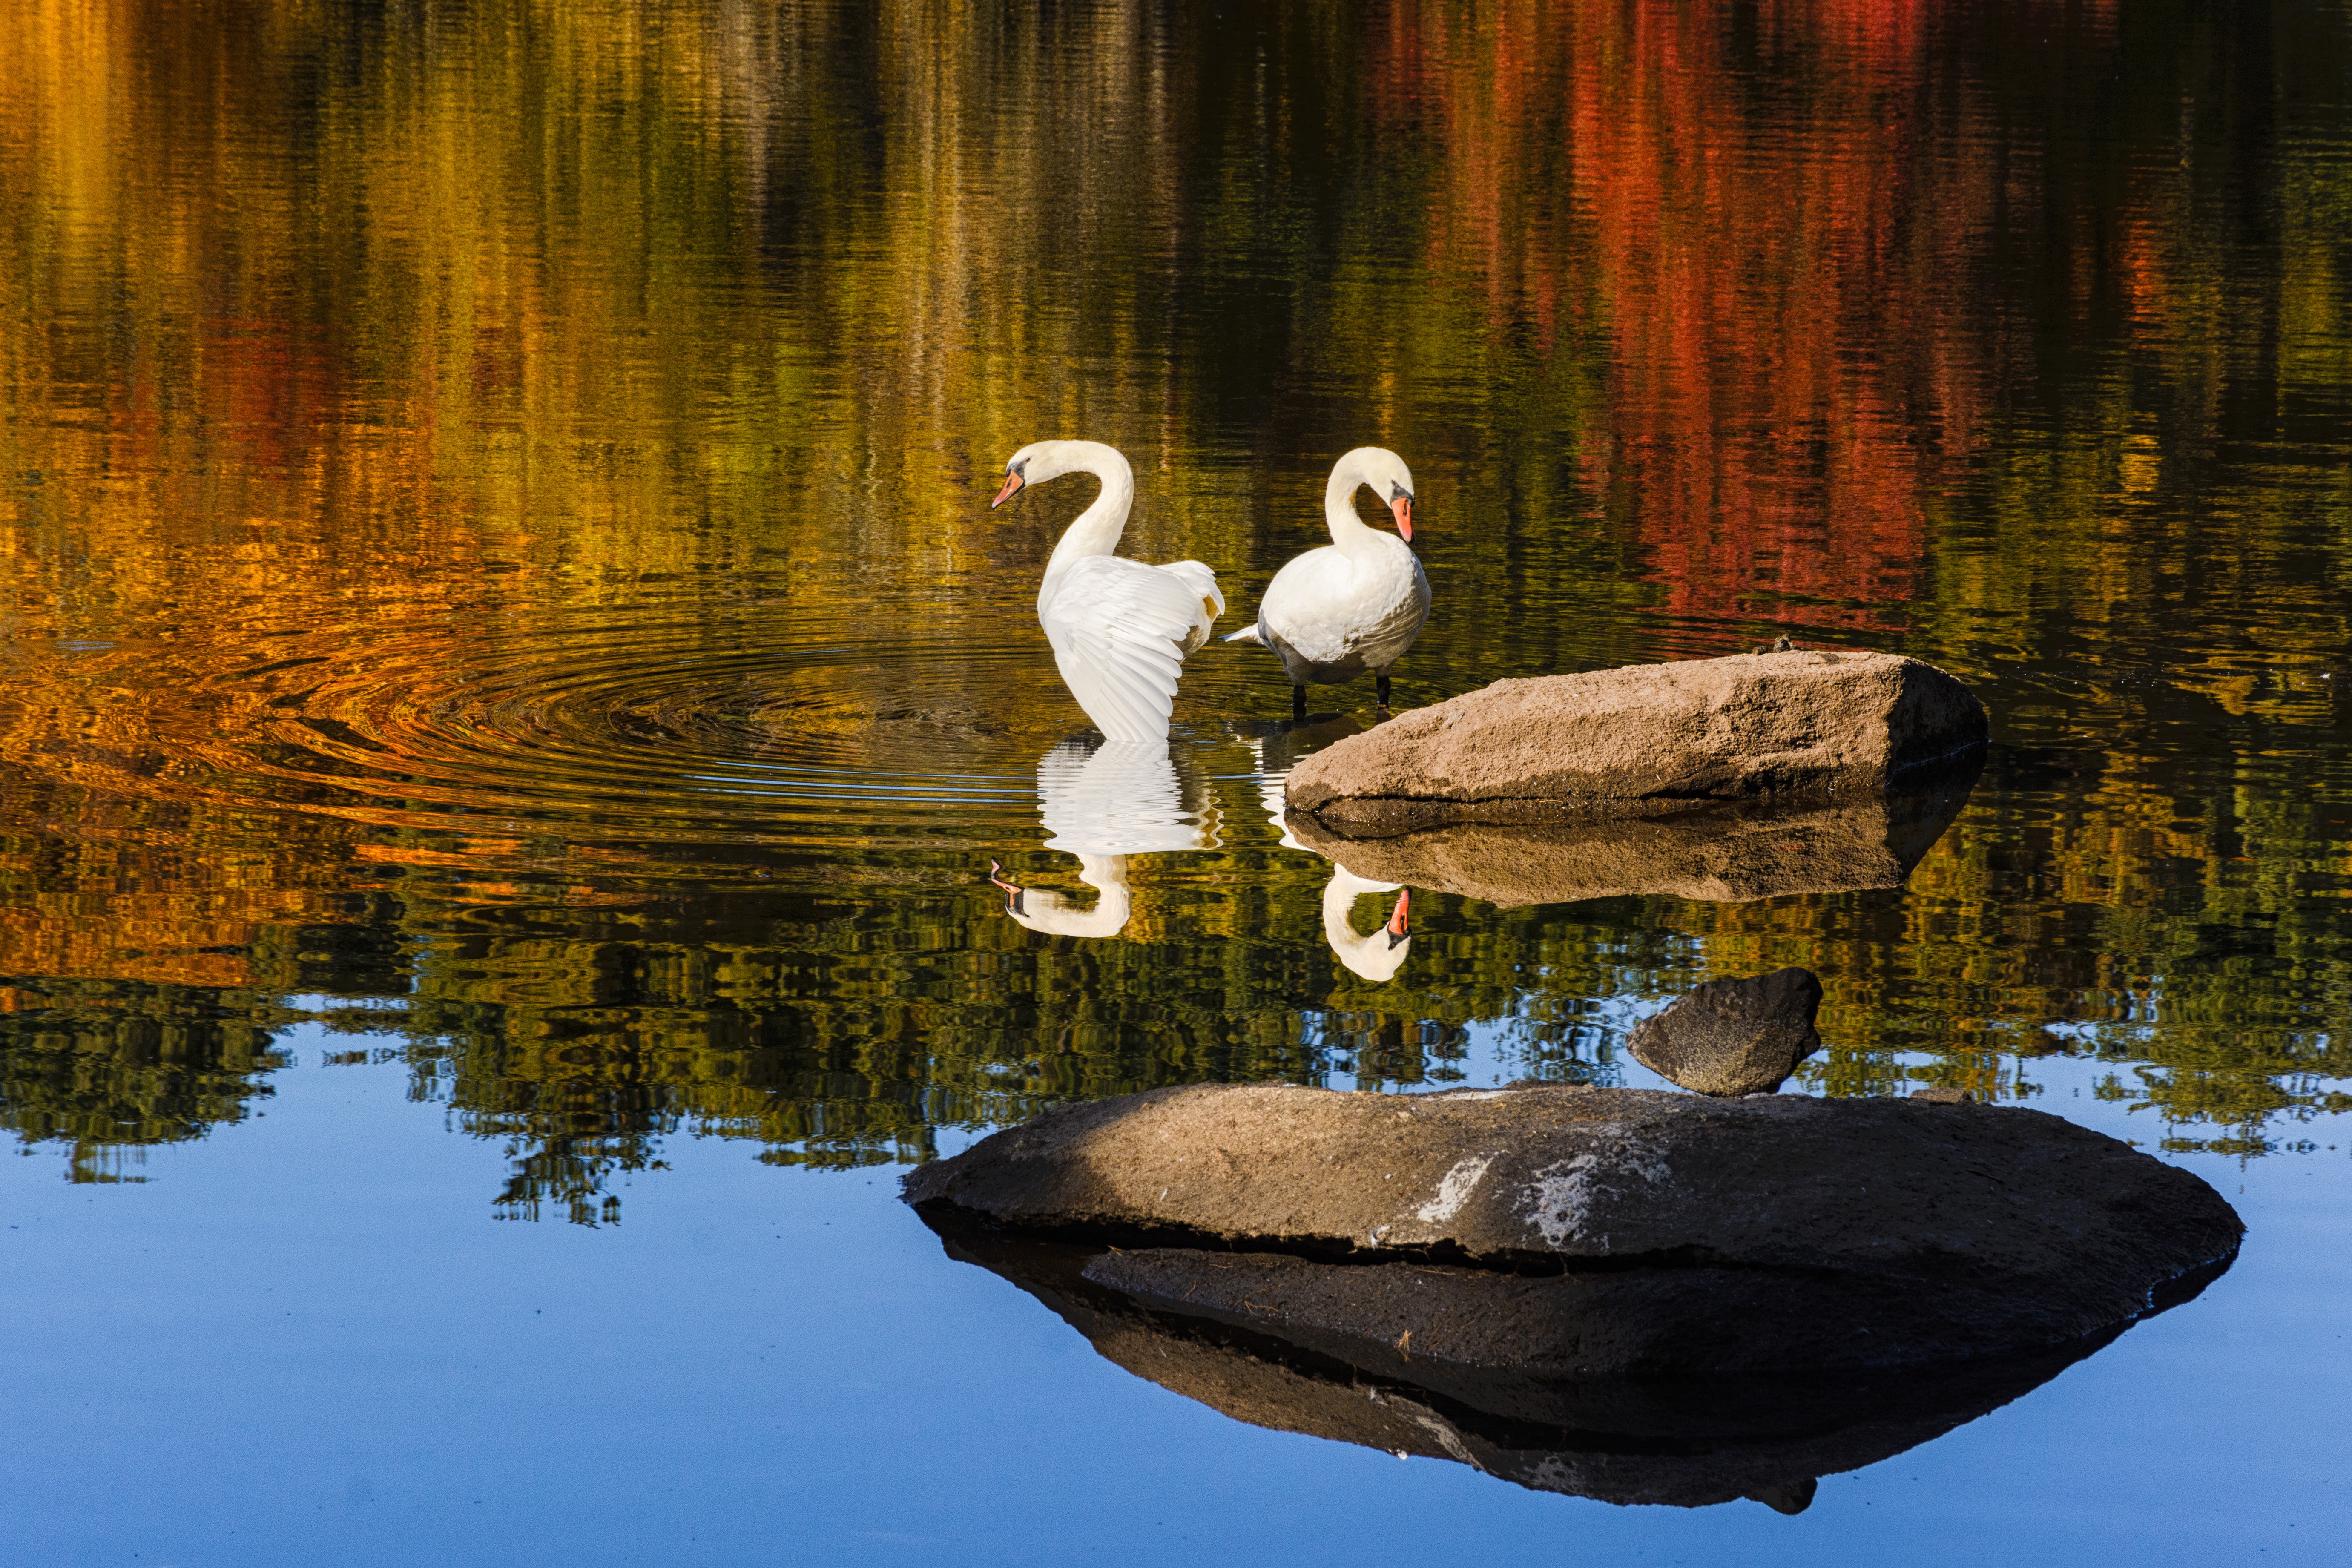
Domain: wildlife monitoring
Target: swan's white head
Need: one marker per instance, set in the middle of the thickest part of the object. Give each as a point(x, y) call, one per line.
point(1389, 479)
point(1043, 460)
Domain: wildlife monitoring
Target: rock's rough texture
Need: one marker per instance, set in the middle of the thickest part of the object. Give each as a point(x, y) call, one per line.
point(1731, 1236)
point(1225, 1330)
point(1733, 1037)
point(1652, 736)
point(1725, 852)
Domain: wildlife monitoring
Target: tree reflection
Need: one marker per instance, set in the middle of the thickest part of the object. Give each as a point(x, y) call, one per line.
point(352, 366)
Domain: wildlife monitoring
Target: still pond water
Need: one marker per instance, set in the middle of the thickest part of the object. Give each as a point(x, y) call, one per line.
point(512, 688)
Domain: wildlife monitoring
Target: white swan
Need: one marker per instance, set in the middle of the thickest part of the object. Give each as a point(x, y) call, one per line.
point(1120, 799)
point(1376, 957)
point(1357, 603)
point(1120, 628)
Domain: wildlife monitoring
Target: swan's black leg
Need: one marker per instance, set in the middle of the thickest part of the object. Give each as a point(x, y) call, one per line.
point(1298, 703)
point(1380, 683)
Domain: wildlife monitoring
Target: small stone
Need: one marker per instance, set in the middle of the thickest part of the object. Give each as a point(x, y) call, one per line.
point(1733, 1037)
point(1943, 1094)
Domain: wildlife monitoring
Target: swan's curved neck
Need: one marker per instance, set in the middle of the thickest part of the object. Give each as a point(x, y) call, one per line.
point(1340, 896)
point(1338, 902)
point(1095, 531)
point(1348, 532)
point(1054, 915)
point(1377, 955)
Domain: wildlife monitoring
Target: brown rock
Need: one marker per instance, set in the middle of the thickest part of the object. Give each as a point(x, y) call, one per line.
point(1733, 1037)
point(1649, 737)
point(1719, 851)
point(1947, 1231)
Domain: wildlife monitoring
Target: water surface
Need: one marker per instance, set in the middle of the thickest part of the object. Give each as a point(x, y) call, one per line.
point(505, 612)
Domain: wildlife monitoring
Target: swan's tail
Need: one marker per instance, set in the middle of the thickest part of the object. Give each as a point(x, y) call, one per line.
point(1247, 633)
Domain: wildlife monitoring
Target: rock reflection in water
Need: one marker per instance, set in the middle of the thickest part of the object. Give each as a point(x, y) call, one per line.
point(1279, 746)
point(1119, 799)
point(1682, 1442)
point(1719, 854)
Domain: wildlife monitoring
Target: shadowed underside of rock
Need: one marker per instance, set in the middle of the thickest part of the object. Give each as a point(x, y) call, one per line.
point(1797, 1232)
point(1646, 737)
point(1718, 851)
point(1733, 1037)
point(1224, 1330)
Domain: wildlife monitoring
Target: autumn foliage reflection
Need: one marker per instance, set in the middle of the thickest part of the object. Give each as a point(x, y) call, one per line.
point(433, 452)
point(1773, 216)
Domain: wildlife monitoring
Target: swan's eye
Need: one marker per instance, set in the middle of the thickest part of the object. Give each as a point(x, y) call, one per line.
point(1398, 492)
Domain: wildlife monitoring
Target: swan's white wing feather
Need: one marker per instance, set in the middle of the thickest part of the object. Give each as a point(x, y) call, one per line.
point(1121, 630)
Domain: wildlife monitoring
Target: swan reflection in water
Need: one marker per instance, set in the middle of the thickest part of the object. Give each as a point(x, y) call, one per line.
point(1375, 957)
point(1103, 803)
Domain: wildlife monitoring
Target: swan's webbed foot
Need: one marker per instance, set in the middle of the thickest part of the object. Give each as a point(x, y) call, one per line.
point(1298, 703)
point(1012, 890)
point(1380, 685)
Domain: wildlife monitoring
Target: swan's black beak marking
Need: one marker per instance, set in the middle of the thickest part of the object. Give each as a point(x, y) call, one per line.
point(1012, 892)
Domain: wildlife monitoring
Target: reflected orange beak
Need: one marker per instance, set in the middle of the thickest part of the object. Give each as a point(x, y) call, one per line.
point(1011, 483)
point(996, 872)
point(1403, 507)
point(1397, 932)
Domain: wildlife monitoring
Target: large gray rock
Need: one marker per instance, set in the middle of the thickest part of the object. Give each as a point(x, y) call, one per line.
point(1227, 1329)
point(1719, 851)
point(1733, 1037)
point(1772, 1233)
point(1649, 737)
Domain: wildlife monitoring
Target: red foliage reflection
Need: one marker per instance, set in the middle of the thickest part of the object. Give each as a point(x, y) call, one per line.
point(1777, 217)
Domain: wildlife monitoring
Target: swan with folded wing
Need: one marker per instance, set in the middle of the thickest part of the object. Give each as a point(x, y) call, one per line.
point(1357, 603)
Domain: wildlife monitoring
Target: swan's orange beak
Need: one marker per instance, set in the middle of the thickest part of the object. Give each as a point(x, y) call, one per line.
point(1397, 932)
point(1011, 483)
point(1403, 507)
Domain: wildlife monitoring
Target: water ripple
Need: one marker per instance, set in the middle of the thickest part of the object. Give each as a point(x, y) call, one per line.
point(650, 720)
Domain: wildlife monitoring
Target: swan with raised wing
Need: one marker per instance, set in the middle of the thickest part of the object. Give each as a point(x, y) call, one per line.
point(1120, 628)
point(1355, 603)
